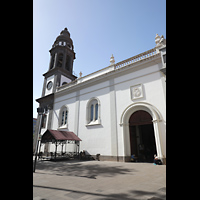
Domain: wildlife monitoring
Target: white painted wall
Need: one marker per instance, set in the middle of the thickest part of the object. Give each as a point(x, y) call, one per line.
point(64, 79)
point(97, 139)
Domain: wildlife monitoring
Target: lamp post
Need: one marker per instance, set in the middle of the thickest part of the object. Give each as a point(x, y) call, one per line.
point(40, 111)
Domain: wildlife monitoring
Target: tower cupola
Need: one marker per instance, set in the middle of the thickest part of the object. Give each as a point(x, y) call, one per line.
point(62, 52)
point(64, 40)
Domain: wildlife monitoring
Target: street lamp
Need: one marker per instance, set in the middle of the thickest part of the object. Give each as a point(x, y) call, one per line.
point(40, 111)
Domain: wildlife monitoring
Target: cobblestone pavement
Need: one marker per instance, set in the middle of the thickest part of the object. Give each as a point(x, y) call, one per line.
point(98, 180)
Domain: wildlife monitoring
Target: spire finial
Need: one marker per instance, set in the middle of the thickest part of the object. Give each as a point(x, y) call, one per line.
point(157, 39)
point(160, 40)
point(112, 60)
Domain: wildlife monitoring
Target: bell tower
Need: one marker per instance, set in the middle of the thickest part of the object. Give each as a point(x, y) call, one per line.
point(60, 70)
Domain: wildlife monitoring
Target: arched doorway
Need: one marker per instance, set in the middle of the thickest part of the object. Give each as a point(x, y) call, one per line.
point(157, 120)
point(142, 138)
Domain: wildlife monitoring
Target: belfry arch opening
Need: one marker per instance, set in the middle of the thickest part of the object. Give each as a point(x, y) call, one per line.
point(142, 137)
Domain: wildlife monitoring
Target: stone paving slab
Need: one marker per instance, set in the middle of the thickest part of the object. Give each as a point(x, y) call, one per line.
point(99, 180)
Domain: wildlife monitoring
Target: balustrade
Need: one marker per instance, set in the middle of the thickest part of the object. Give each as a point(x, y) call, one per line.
point(136, 58)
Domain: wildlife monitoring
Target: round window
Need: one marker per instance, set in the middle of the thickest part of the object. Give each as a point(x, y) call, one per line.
point(49, 85)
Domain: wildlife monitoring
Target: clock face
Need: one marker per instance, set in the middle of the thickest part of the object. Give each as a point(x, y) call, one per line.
point(49, 85)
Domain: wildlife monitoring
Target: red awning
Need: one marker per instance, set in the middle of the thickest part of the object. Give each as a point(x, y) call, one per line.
point(50, 135)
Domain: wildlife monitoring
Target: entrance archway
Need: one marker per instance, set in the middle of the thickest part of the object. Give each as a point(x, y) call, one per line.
point(156, 119)
point(142, 139)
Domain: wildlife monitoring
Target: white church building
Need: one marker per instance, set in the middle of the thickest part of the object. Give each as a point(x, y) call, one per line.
point(117, 111)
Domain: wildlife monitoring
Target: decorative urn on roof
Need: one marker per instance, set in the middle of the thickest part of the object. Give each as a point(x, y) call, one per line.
point(112, 60)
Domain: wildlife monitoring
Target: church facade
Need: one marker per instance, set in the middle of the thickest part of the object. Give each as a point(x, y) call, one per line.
point(117, 111)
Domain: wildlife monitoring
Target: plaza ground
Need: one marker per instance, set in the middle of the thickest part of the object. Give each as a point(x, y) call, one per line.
point(98, 180)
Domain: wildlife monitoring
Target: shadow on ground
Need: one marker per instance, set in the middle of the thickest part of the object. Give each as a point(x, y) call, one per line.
point(77, 168)
point(131, 195)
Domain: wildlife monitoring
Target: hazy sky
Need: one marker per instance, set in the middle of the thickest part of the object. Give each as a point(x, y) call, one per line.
point(98, 29)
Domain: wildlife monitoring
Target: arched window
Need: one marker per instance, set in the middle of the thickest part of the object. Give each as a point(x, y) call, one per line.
point(66, 113)
point(96, 111)
point(67, 63)
point(93, 112)
point(52, 61)
point(63, 117)
point(60, 60)
point(64, 83)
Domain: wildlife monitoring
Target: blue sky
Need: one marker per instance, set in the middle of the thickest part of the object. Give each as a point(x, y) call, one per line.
point(98, 29)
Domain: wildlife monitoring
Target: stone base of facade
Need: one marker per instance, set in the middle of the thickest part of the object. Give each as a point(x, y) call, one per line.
point(119, 158)
point(113, 158)
point(108, 158)
point(164, 161)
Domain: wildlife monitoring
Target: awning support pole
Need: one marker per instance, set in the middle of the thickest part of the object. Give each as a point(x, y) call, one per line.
point(62, 148)
point(40, 146)
point(56, 150)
